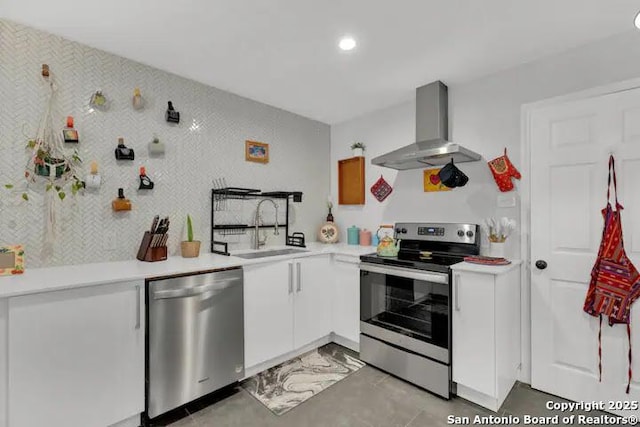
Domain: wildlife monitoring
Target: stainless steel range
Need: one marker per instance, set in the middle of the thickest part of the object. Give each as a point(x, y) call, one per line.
point(405, 303)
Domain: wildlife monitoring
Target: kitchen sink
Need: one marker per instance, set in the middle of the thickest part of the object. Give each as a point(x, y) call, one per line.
point(273, 252)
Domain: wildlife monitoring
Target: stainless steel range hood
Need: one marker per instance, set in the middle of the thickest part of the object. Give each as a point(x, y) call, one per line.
point(432, 132)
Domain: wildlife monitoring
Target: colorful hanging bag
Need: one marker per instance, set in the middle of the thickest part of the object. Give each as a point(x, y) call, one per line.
point(615, 282)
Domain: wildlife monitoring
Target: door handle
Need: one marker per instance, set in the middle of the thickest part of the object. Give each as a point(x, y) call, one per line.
point(138, 310)
point(456, 282)
point(299, 276)
point(217, 286)
point(290, 277)
point(541, 264)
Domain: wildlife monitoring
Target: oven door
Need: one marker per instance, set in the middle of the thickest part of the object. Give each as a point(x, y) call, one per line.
point(407, 308)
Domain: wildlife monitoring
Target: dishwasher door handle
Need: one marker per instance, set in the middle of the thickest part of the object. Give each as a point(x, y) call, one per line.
point(217, 286)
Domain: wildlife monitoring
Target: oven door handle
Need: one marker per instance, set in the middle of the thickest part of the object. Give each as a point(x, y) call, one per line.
point(407, 273)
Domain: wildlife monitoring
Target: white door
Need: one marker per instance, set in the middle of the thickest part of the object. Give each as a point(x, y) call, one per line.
point(346, 298)
point(570, 146)
point(268, 311)
point(76, 357)
point(314, 285)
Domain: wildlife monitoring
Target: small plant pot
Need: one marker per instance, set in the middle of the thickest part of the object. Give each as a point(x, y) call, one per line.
point(357, 152)
point(190, 249)
point(45, 170)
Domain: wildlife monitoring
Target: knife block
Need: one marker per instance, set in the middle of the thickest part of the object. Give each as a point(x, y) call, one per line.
point(149, 253)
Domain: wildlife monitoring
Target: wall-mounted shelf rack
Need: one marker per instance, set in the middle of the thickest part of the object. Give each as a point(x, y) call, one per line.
point(219, 196)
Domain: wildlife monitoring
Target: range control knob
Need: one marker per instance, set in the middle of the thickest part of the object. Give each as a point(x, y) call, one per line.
point(469, 233)
point(401, 230)
point(461, 233)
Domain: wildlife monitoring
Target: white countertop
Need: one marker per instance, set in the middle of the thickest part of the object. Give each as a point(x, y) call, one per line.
point(487, 269)
point(47, 279)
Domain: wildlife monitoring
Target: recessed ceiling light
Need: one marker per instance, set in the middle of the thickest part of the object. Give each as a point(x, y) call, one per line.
point(347, 43)
point(637, 21)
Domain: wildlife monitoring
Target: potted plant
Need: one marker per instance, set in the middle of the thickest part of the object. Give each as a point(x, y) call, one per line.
point(190, 248)
point(358, 149)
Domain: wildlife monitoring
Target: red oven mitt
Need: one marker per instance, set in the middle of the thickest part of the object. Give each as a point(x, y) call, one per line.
point(503, 170)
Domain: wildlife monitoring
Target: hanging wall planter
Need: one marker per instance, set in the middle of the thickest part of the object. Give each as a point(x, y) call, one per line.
point(50, 166)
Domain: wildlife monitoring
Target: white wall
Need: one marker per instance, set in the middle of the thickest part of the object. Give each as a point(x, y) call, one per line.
point(208, 144)
point(485, 116)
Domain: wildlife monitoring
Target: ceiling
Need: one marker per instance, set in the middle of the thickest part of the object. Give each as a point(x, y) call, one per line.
point(284, 52)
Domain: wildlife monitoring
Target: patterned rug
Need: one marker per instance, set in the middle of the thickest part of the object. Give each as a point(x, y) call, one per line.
point(287, 385)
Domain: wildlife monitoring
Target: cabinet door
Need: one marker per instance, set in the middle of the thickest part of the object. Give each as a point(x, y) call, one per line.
point(473, 342)
point(268, 311)
point(346, 298)
point(76, 357)
point(314, 285)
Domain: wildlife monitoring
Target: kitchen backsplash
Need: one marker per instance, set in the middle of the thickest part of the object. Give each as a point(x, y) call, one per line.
point(208, 143)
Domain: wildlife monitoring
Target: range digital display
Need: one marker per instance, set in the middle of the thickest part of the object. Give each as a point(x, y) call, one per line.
point(431, 231)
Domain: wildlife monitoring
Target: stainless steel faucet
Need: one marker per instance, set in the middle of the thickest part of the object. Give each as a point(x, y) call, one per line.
point(257, 243)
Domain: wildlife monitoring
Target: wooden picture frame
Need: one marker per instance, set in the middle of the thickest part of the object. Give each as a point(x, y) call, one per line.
point(11, 260)
point(255, 151)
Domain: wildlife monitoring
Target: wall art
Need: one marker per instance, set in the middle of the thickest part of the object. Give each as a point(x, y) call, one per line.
point(256, 152)
point(11, 260)
point(432, 181)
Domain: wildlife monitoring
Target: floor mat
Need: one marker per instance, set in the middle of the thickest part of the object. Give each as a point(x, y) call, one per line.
point(287, 385)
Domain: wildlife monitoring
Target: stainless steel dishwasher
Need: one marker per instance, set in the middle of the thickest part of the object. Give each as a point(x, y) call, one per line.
point(195, 337)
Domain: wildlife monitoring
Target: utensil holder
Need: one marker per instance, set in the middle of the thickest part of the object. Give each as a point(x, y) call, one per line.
point(496, 249)
point(150, 253)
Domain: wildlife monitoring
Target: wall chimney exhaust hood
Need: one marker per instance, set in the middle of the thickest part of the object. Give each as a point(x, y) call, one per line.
point(432, 132)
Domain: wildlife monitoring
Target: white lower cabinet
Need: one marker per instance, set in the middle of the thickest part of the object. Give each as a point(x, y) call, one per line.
point(287, 304)
point(268, 311)
point(346, 298)
point(486, 334)
point(312, 303)
point(76, 357)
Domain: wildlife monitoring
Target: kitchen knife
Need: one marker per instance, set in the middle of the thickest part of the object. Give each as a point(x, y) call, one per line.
point(154, 224)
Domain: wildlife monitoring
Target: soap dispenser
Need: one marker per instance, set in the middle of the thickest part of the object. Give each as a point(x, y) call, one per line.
point(121, 203)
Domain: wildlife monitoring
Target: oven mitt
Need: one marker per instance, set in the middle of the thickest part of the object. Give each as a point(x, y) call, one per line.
point(503, 170)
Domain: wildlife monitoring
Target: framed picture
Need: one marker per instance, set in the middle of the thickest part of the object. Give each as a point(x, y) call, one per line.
point(256, 152)
point(432, 181)
point(11, 260)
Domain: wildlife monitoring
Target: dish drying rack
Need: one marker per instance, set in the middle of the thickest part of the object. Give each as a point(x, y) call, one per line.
point(221, 194)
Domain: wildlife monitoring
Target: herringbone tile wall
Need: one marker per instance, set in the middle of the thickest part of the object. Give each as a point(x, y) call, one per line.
point(208, 143)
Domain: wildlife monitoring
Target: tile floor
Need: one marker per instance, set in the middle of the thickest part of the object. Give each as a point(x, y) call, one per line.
point(367, 398)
